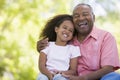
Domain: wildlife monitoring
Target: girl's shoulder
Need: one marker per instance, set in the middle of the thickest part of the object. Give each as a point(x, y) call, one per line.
point(51, 43)
point(73, 46)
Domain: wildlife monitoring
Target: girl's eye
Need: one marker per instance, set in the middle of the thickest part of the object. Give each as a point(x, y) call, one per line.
point(71, 31)
point(64, 27)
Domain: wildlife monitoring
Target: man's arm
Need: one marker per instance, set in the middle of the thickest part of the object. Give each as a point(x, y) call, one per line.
point(99, 73)
point(96, 75)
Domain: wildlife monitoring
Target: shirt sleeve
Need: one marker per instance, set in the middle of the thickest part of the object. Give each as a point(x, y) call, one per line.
point(46, 50)
point(109, 52)
point(75, 51)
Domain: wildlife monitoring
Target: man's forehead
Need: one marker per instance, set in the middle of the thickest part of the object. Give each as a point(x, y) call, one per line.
point(82, 8)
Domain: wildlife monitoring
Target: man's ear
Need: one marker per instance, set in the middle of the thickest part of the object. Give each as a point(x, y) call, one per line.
point(94, 17)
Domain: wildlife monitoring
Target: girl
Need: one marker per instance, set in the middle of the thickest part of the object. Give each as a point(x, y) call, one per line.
point(58, 58)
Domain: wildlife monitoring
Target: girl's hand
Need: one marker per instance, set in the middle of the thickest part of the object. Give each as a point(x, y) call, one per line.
point(51, 76)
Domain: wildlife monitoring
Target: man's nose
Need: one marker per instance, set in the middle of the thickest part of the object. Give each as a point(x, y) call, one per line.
point(81, 17)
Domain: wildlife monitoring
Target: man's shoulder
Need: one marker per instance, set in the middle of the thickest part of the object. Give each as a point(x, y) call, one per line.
point(101, 31)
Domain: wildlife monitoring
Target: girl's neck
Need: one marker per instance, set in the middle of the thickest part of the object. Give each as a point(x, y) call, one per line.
point(60, 43)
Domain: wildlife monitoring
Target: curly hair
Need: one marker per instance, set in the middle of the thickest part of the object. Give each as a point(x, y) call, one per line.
point(56, 21)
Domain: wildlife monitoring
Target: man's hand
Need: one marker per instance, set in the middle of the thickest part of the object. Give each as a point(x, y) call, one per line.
point(41, 44)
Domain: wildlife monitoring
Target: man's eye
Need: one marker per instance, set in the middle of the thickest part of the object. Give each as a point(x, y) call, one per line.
point(75, 16)
point(85, 14)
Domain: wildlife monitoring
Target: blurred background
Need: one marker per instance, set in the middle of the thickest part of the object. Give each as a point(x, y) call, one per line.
point(21, 22)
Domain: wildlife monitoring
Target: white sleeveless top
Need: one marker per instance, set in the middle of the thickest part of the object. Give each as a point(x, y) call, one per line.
point(58, 57)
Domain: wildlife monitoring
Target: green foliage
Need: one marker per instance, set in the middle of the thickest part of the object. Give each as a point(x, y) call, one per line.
point(20, 24)
point(21, 21)
point(2, 3)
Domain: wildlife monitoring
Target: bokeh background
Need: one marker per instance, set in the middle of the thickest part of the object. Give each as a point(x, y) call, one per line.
point(21, 22)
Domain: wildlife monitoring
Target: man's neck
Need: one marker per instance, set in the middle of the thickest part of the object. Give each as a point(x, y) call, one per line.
point(81, 38)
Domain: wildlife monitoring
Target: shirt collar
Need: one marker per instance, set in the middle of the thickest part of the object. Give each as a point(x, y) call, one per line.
point(93, 34)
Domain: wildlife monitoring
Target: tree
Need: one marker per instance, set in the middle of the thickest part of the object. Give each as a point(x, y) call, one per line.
point(20, 25)
point(21, 21)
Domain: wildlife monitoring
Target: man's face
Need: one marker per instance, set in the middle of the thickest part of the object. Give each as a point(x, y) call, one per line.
point(83, 19)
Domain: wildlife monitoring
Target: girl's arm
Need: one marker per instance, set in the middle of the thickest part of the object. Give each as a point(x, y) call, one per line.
point(73, 67)
point(42, 65)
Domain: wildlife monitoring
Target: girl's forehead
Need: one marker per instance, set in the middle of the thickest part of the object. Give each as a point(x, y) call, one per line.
point(68, 23)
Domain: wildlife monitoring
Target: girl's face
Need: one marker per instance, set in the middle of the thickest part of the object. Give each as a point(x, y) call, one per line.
point(65, 31)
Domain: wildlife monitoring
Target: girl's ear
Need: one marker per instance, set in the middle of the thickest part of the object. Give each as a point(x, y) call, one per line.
point(56, 29)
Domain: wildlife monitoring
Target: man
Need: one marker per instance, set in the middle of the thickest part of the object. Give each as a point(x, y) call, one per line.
point(99, 52)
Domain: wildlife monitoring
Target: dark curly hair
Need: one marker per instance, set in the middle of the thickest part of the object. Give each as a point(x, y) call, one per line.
point(49, 29)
